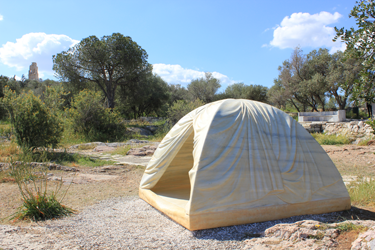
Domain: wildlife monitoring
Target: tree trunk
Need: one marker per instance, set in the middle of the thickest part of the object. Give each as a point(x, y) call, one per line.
point(291, 100)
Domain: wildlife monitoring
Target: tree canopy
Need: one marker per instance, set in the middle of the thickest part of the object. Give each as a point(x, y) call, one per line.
point(242, 91)
point(108, 62)
point(203, 88)
point(360, 45)
point(306, 80)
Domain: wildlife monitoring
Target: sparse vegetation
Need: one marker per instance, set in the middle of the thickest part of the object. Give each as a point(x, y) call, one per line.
point(362, 192)
point(39, 202)
point(324, 139)
point(348, 226)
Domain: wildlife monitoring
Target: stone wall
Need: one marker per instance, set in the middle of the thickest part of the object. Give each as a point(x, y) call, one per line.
point(357, 130)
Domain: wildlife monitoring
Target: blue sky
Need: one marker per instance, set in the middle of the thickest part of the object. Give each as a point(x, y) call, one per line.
point(239, 41)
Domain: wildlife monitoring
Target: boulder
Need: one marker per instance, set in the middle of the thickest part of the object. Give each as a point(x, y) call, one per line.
point(365, 240)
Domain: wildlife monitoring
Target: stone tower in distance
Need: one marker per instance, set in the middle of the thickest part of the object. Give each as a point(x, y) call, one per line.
point(33, 72)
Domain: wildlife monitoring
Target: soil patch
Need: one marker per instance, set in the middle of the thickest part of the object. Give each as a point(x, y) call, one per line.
point(353, 160)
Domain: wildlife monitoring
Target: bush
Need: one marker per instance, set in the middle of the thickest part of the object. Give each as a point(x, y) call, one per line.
point(371, 122)
point(34, 124)
point(181, 108)
point(38, 202)
point(175, 112)
point(92, 120)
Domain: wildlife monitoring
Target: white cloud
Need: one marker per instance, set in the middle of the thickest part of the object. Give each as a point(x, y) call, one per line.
point(175, 74)
point(34, 47)
point(306, 30)
point(1, 17)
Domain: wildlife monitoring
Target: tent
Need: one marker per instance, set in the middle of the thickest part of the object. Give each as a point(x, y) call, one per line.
point(238, 161)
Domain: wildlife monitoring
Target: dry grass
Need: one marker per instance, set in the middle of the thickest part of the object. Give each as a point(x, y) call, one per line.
point(122, 150)
point(8, 150)
point(324, 139)
point(78, 196)
point(353, 168)
point(362, 193)
point(86, 147)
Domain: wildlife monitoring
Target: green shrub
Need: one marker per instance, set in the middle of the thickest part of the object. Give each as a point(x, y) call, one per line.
point(91, 119)
point(35, 125)
point(180, 108)
point(324, 139)
point(348, 226)
point(371, 122)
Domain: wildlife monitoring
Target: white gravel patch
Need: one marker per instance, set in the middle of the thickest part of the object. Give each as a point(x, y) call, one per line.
point(131, 223)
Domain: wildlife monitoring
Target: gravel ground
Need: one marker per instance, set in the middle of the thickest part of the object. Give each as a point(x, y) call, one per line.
point(130, 223)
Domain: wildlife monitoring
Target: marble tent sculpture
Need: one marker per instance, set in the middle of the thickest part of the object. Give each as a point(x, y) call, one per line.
point(237, 161)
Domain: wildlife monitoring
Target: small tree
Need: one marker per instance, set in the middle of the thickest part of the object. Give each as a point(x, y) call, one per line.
point(180, 108)
point(204, 88)
point(90, 118)
point(34, 124)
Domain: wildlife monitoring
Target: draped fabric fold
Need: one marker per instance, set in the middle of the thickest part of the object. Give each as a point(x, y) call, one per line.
point(240, 154)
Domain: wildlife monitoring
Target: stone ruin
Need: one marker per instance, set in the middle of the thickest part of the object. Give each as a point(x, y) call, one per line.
point(33, 72)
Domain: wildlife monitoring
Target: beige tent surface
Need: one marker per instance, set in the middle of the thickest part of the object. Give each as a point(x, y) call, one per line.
point(239, 161)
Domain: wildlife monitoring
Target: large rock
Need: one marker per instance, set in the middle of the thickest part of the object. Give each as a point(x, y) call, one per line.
point(365, 240)
point(309, 234)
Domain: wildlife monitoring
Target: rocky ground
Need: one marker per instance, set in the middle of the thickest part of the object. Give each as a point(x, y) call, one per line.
point(128, 222)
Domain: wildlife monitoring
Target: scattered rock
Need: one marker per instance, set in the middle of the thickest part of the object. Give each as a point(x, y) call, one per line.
point(87, 145)
point(146, 150)
point(136, 141)
point(309, 234)
point(53, 166)
point(50, 166)
point(116, 144)
point(106, 168)
point(356, 130)
point(103, 149)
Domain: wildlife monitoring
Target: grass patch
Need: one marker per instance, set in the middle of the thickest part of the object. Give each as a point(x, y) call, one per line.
point(69, 159)
point(91, 162)
point(5, 177)
point(364, 142)
point(362, 192)
point(324, 139)
point(346, 227)
point(5, 130)
point(319, 236)
point(70, 138)
point(7, 151)
point(121, 150)
point(86, 146)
